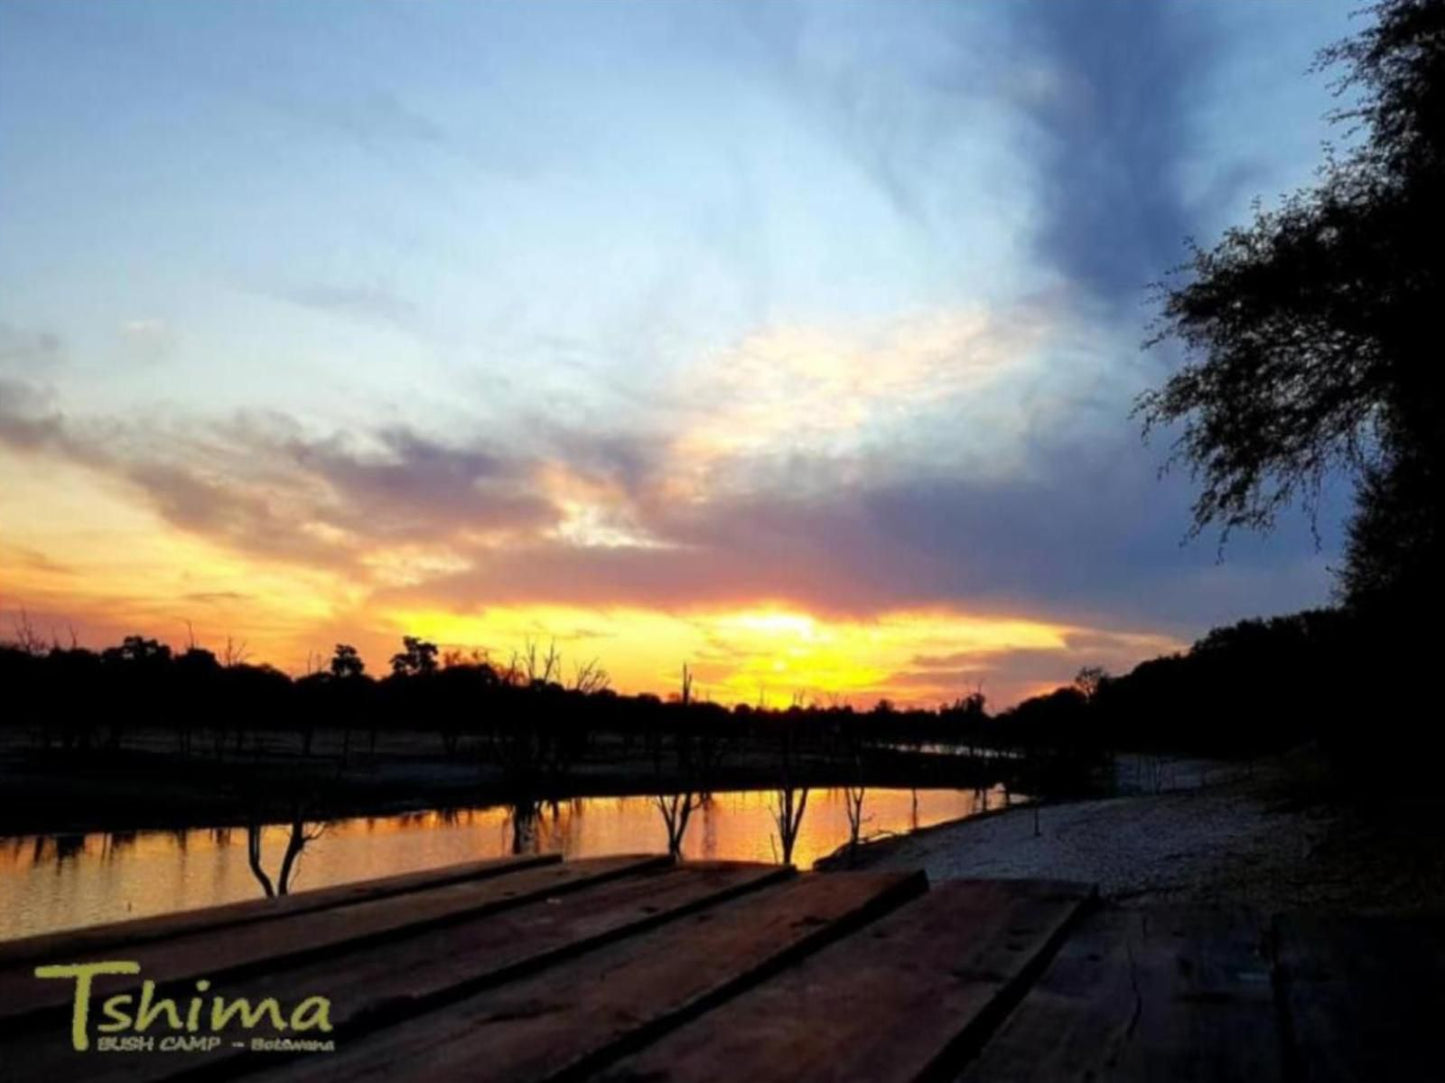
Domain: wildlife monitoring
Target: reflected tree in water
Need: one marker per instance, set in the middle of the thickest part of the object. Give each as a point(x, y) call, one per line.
point(677, 810)
point(854, 794)
point(853, 798)
point(63, 847)
point(523, 823)
point(299, 836)
point(792, 797)
point(788, 816)
point(697, 752)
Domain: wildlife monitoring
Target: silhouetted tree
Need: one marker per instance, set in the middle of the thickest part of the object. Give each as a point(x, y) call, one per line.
point(677, 810)
point(1314, 329)
point(346, 662)
point(197, 681)
point(853, 797)
point(697, 751)
point(418, 658)
point(138, 650)
point(297, 839)
point(27, 639)
point(346, 665)
point(792, 799)
point(139, 665)
point(1090, 679)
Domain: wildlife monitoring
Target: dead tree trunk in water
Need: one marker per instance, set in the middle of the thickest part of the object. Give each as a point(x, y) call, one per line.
point(697, 752)
point(525, 811)
point(792, 798)
point(854, 795)
point(677, 810)
point(296, 841)
point(792, 803)
point(253, 857)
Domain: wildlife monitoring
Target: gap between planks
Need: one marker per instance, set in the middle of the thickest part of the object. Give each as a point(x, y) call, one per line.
point(565, 1023)
point(902, 999)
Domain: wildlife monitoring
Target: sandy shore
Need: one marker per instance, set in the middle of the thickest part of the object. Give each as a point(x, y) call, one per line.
point(1236, 838)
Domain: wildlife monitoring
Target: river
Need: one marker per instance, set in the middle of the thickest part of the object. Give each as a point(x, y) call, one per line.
point(50, 882)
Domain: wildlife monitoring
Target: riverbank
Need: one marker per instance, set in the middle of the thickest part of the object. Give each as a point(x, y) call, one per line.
point(1277, 837)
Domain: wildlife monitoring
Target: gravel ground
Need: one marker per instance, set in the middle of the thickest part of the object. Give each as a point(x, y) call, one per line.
point(1236, 840)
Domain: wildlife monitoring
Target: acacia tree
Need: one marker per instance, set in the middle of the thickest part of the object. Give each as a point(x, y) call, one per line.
point(418, 658)
point(1311, 331)
point(346, 663)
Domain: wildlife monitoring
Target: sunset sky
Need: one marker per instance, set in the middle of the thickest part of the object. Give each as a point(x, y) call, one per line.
point(793, 341)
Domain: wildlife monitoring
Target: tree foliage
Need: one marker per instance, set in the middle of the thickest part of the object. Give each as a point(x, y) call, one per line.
point(418, 658)
point(1311, 331)
point(346, 663)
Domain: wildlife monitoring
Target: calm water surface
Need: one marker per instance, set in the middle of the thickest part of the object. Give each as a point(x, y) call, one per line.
point(57, 882)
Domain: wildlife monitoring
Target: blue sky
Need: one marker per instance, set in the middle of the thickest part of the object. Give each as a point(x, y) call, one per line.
point(445, 313)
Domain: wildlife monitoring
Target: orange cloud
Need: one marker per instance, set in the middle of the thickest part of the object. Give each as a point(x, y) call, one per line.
point(80, 548)
point(645, 549)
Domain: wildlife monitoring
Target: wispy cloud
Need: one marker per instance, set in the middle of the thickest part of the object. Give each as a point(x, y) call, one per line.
point(28, 417)
point(148, 340)
point(795, 391)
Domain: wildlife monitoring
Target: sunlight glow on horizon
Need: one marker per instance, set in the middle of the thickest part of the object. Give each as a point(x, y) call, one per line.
point(149, 578)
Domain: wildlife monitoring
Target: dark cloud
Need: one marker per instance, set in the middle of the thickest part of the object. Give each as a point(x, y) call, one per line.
point(226, 511)
point(217, 503)
point(217, 597)
point(33, 559)
point(257, 484)
point(373, 303)
point(24, 351)
point(1089, 539)
point(1114, 108)
point(416, 488)
point(374, 117)
point(1009, 675)
point(28, 420)
point(635, 465)
point(1083, 535)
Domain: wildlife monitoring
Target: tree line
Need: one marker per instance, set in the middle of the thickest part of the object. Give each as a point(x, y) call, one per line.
point(1254, 687)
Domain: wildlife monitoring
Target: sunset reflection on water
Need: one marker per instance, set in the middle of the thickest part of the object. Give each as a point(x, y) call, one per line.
point(57, 882)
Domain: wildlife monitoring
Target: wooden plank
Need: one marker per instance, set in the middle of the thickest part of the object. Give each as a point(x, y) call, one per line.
point(384, 983)
point(904, 998)
point(1362, 997)
point(94, 939)
point(566, 1022)
point(1156, 994)
point(269, 945)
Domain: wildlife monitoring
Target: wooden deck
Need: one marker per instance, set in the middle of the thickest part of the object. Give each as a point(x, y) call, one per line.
point(630, 968)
